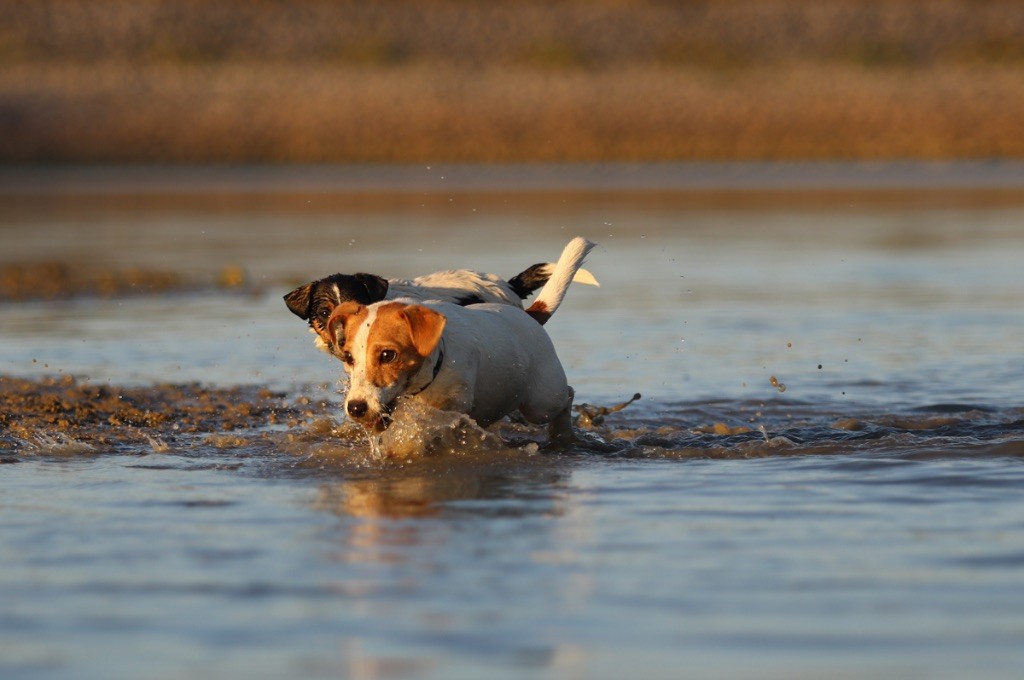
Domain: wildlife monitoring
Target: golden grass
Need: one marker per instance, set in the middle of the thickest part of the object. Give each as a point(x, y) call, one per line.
point(460, 80)
point(241, 113)
point(539, 33)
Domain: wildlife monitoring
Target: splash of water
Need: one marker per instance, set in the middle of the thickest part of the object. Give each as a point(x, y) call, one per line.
point(418, 430)
point(60, 444)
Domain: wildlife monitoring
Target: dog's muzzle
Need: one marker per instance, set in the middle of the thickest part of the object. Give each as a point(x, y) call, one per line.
point(357, 410)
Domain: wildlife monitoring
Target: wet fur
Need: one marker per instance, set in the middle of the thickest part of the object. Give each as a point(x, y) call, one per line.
point(493, 359)
point(485, 360)
point(315, 301)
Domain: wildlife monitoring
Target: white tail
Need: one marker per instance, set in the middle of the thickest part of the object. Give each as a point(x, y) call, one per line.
point(553, 292)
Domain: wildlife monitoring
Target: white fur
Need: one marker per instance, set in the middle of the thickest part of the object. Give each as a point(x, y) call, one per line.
point(451, 285)
point(565, 271)
point(446, 286)
point(455, 284)
point(497, 360)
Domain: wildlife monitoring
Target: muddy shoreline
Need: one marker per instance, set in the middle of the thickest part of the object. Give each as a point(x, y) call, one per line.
point(97, 415)
point(64, 280)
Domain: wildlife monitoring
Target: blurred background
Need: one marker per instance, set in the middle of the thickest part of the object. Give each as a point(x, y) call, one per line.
point(465, 80)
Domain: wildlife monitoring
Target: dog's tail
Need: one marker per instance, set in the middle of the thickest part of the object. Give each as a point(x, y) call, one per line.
point(565, 269)
point(525, 282)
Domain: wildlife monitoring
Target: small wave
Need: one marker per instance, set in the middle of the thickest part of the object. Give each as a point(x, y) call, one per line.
point(57, 444)
point(157, 444)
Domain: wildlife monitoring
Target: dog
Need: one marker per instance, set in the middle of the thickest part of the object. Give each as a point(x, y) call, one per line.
point(315, 301)
point(486, 360)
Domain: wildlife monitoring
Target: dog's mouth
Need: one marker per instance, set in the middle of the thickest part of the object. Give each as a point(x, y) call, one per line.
point(383, 421)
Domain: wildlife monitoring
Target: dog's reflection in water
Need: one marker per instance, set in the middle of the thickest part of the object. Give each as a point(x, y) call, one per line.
point(429, 458)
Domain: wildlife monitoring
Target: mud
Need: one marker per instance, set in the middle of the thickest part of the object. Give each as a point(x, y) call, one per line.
point(63, 280)
point(112, 417)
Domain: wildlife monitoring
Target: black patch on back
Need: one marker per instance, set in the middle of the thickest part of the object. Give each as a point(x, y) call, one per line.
point(525, 282)
point(468, 299)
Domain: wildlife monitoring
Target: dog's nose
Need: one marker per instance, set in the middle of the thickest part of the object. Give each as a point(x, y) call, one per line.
point(357, 408)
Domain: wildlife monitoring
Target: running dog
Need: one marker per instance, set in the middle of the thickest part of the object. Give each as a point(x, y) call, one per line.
point(485, 360)
point(315, 301)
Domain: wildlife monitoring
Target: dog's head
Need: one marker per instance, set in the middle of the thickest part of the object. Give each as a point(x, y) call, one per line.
point(384, 348)
point(317, 300)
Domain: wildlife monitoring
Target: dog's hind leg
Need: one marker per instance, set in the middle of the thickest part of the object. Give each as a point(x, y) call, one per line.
point(560, 428)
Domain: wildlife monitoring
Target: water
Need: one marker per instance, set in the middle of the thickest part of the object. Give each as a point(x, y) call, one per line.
point(867, 520)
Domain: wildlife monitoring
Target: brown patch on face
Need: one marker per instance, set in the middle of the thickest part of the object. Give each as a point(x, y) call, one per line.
point(327, 336)
point(401, 337)
point(344, 315)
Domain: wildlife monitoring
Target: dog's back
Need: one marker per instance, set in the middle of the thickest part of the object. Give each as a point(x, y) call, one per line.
point(458, 286)
point(502, 361)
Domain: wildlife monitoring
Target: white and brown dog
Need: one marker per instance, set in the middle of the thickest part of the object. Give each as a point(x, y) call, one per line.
point(315, 301)
point(485, 360)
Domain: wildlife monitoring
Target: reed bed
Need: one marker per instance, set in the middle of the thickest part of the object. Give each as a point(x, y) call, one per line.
point(273, 81)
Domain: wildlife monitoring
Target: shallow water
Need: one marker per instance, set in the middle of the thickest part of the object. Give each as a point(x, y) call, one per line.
point(823, 475)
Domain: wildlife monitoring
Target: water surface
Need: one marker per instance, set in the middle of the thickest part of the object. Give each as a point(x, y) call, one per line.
point(823, 475)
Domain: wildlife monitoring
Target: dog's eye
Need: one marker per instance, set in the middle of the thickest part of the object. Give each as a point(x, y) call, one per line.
point(324, 313)
point(387, 356)
point(346, 356)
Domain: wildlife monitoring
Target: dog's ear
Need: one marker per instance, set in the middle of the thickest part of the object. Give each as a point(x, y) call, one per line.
point(300, 300)
point(425, 326)
point(376, 287)
point(339, 317)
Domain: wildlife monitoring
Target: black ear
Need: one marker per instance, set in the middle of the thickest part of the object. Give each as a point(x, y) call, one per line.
point(300, 300)
point(376, 287)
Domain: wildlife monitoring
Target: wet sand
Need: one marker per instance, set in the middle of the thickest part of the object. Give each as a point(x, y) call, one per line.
point(113, 417)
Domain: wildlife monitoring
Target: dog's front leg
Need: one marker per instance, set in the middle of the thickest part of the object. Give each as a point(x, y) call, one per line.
point(457, 398)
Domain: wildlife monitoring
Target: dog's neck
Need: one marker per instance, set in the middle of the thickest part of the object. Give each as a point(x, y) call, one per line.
point(437, 369)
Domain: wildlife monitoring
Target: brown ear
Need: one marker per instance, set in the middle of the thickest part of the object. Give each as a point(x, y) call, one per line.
point(425, 326)
point(299, 301)
point(339, 317)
